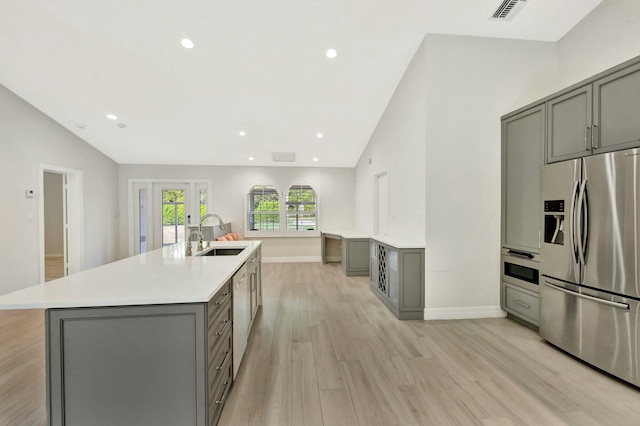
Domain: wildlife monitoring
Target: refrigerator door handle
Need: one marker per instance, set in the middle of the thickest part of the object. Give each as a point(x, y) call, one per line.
point(572, 233)
point(586, 296)
point(582, 226)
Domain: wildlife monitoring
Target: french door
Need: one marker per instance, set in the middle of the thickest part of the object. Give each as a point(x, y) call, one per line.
point(163, 211)
point(170, 213)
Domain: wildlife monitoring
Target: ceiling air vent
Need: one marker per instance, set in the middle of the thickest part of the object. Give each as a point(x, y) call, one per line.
point(508, 10)
point(286, 157)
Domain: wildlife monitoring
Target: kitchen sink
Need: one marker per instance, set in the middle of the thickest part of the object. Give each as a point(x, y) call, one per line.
point(223, 252)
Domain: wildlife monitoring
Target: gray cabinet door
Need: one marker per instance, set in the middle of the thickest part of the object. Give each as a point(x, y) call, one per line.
point(373, 267)
point(522, 157)
point(569, 125)
point(616, 100)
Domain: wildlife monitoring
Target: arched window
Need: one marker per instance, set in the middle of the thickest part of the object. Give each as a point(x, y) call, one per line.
point(301, 207)
point(263, 209)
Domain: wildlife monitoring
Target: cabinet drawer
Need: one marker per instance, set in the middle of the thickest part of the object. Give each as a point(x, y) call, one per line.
point(219, 325)
point(218, 392)
point(219, 356)
point(522, 303)
point(217, 303)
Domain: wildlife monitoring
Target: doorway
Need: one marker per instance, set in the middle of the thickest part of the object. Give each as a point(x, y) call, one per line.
point(61, 222)
point(170, 213)
point(163, 211)
point(381, 200)
point(54, 225)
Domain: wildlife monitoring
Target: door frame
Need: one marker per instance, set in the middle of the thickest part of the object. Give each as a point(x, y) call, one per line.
point(376, 200)
point(74, 212)
point(133, 183)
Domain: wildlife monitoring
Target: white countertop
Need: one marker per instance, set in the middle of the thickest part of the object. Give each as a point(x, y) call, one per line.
point(396, 242)
point(348, 234)
point(158, 277)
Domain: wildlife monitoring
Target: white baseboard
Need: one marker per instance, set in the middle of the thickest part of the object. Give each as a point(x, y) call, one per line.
point(470, 312)
point(293, 259)
point(53, 255)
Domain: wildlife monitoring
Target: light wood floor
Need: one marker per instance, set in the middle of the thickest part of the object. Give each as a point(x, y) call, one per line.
point(53, 268)
point(325, 351)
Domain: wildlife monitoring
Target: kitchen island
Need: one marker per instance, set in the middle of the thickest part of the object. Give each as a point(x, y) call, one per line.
point(147, 340)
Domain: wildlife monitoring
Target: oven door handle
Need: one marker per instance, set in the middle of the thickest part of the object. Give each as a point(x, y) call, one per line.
point(585, 296)
point(520, 254)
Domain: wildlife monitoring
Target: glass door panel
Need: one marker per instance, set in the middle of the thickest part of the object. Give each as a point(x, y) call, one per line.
point(172, 216)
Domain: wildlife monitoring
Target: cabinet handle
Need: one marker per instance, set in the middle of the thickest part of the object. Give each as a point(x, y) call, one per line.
point(521, 303)
point(224, 395)
point(586, 139)
point(593, 131)
point(223, 361)
point(224, 327)
point(223, 300)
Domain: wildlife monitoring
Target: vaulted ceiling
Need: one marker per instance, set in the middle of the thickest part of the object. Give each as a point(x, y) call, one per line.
point(257, 66)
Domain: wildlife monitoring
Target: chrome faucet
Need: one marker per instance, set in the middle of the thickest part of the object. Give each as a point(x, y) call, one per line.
point(188, 242)
point(202, 220)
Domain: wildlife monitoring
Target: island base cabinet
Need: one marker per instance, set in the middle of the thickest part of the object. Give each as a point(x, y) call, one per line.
point(133, 365)
point(150, 365)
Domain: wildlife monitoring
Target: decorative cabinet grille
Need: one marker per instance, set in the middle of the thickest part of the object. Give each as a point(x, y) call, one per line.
point(382, 269)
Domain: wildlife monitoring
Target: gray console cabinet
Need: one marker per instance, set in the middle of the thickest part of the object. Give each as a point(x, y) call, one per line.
point(523, 137)
point(354, 252)
point(600, 116)
point(397, 279)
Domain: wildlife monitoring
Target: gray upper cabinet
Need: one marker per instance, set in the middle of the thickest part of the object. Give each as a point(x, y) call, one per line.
point(616, 118)
point(523, 137)
point(600, 116)
point(569, 125)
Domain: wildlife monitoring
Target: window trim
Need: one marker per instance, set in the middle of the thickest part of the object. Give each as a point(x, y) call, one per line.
point(302, 233)
point(249, 233)
point(282, 232)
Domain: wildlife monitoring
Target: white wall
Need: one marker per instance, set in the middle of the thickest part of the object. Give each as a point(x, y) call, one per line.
point(29, 138)
point(471, 82)
point(440, 140)
point(609, 35)
point(53, 218)
point(398, 146)
point(335, 187)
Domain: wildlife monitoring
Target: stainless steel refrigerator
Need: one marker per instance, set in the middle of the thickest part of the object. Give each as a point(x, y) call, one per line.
point(590, 260)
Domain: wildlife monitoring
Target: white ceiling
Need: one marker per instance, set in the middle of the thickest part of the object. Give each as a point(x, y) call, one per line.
point(257, 66)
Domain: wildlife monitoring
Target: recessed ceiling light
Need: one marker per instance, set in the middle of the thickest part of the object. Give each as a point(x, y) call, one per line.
point(112, 116)
point(186, 43)
point(250, 158)
point(122, 125)
point(331, 53)
point(319, 136)
point(241, 133)
point(315, 159)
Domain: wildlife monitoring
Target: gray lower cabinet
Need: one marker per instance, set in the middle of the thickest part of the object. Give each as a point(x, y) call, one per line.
point(397, 279)
point(355, 256)
point(351, 251)
point(520, 302)
point(139, 365)
point(523, 137)
point(600, 116)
